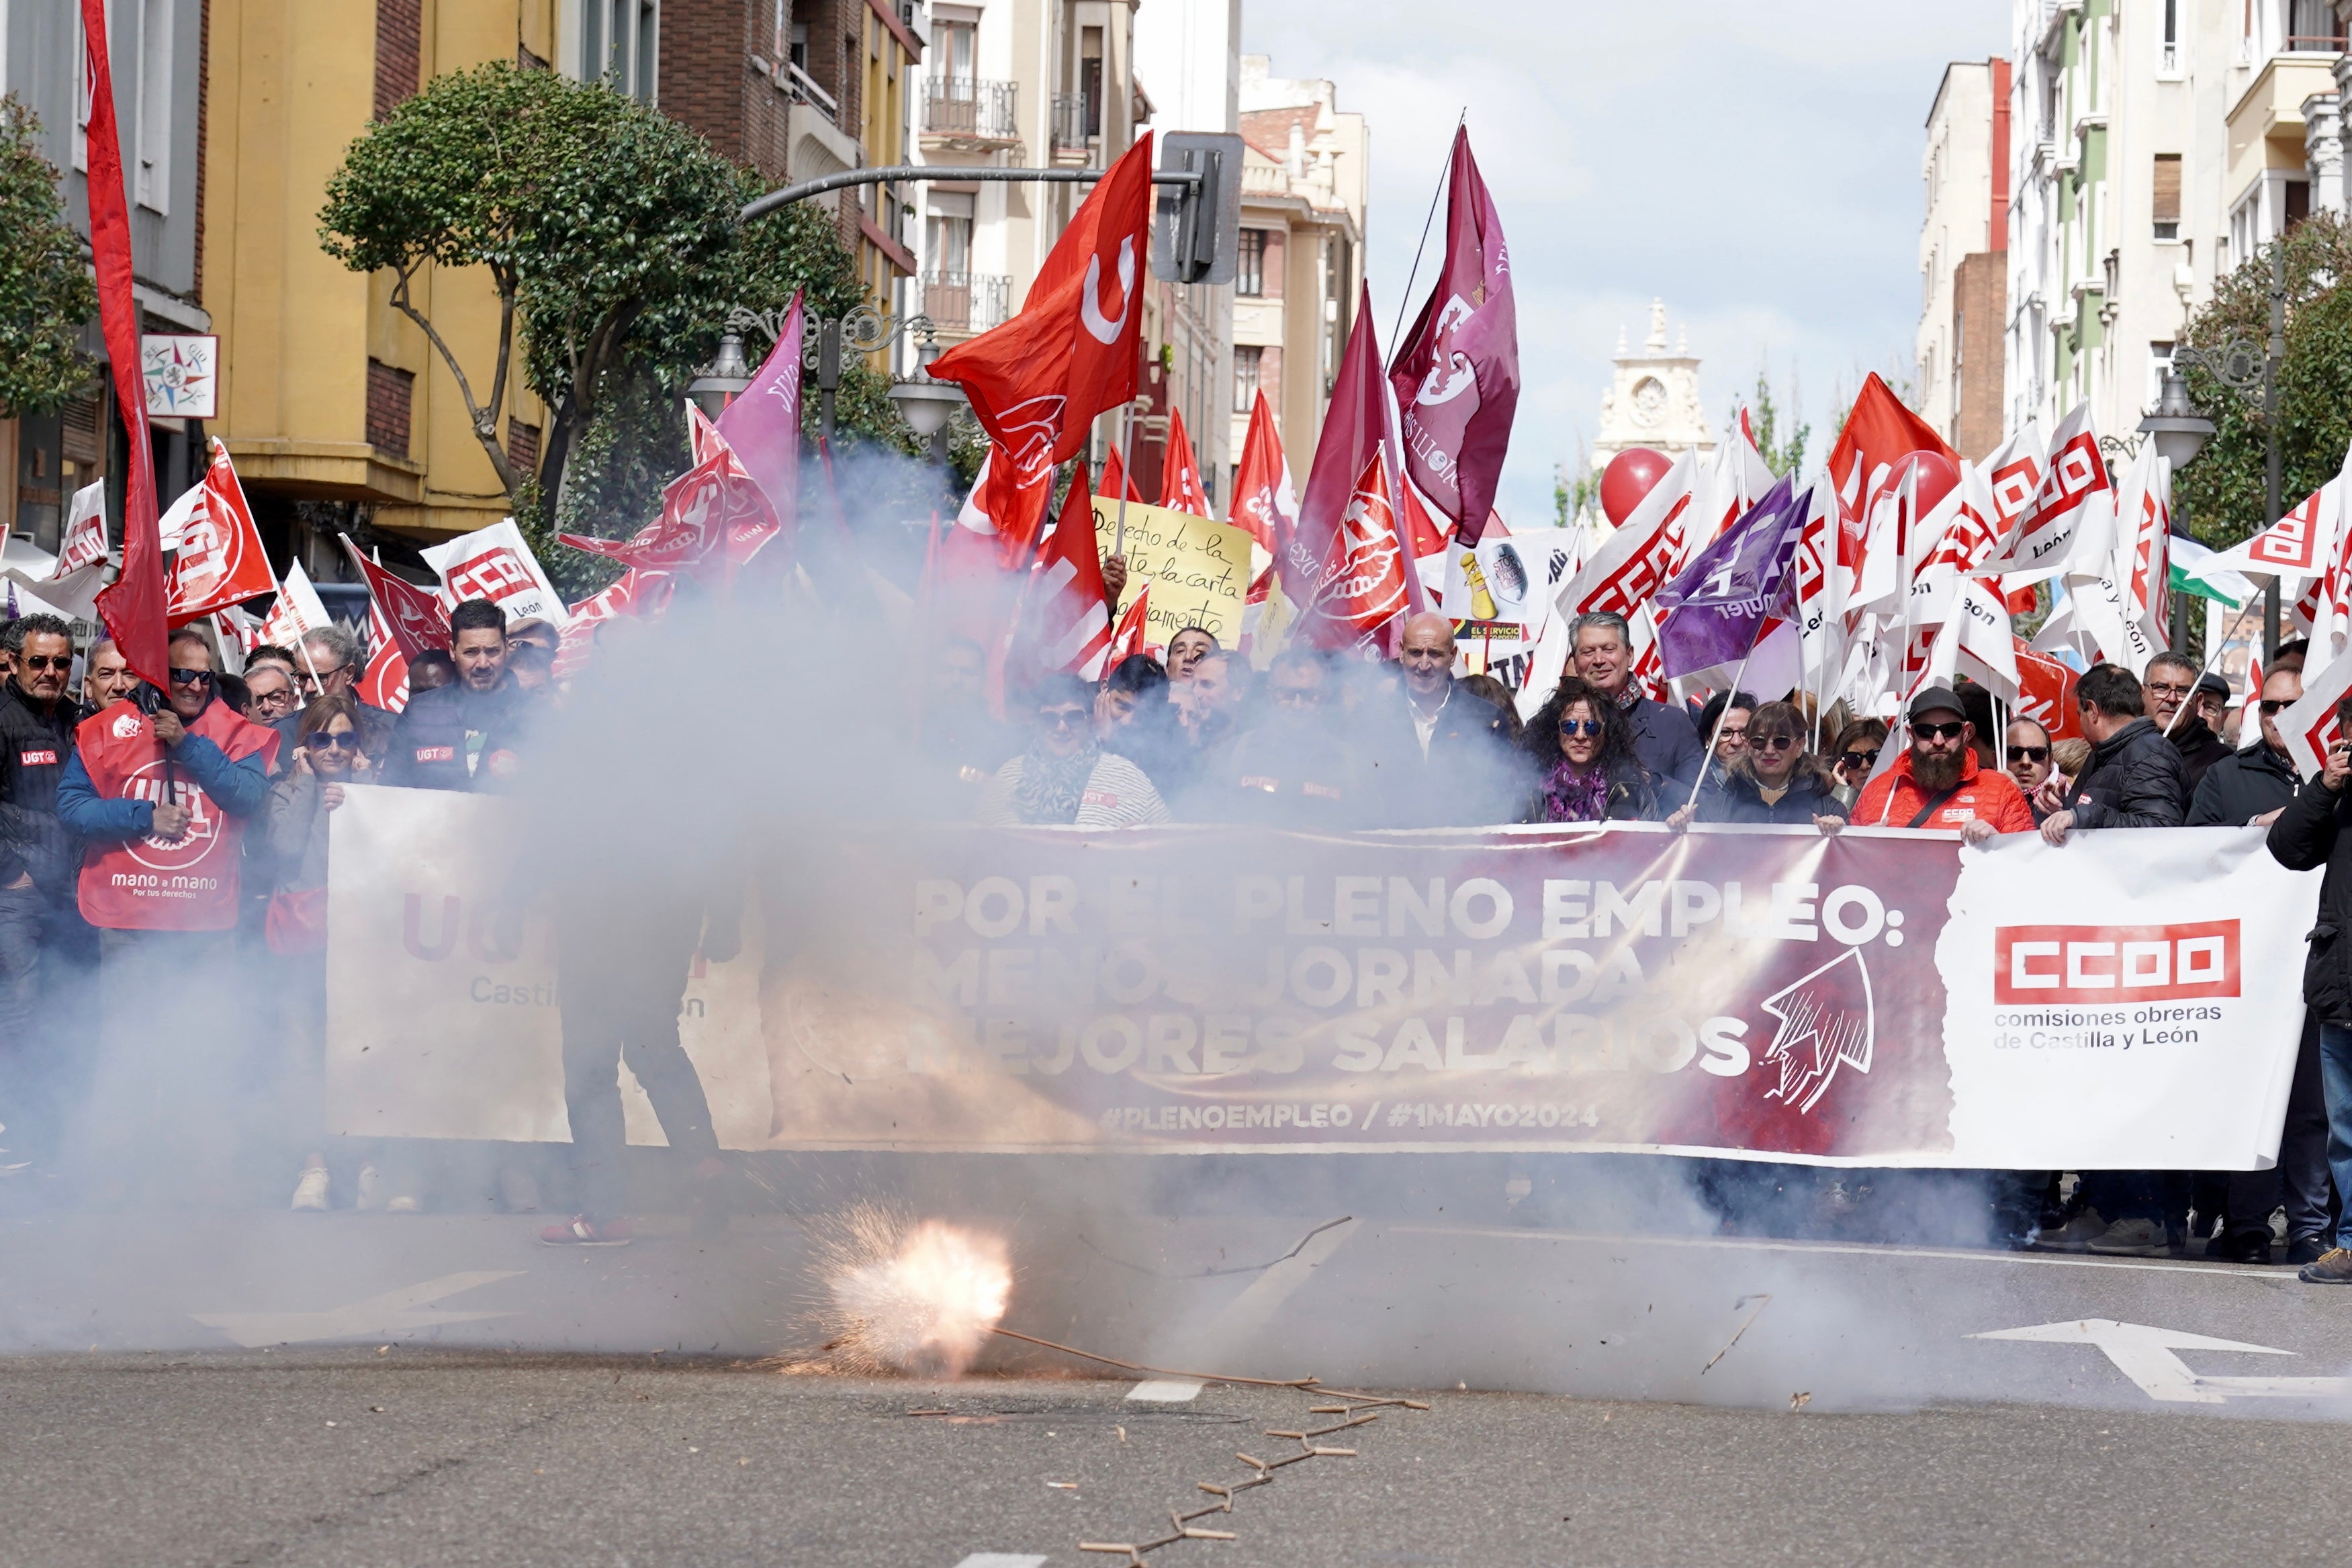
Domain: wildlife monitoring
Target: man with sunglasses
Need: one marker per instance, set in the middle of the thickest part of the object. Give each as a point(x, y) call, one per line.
point(2252, 786)
point(1937, 783)
point(39, 931)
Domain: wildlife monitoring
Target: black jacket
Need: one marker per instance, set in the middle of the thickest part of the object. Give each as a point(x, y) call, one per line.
point(2200, 749)
point(1738, 799)
point(34, 750)
point(1668, 743)
point(1472, 776)
point(450, 739)
point(2136, 779)
point(1292, 771)
point(2311, 833)
point(2242, 787)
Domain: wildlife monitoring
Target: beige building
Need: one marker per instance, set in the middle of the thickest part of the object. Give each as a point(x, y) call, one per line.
point(1302, 246)
point(1963, 264)
point(1652, 399)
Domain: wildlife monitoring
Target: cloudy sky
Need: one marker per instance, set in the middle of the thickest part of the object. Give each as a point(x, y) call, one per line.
point(1757, 164)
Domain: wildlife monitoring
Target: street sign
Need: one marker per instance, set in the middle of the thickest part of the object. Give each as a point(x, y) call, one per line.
point(1196, 233)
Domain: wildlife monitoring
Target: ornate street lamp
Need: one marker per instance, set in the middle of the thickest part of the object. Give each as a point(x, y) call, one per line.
point(723, 379)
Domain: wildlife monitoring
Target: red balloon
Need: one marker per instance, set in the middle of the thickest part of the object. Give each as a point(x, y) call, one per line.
point(1632, 474)
point(1937, 476)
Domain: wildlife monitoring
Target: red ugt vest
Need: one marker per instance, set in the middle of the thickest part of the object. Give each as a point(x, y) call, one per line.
point(150, 883)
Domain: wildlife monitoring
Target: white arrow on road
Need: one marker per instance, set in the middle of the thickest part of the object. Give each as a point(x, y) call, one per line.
point(2143, 1354)
point(395, 1312)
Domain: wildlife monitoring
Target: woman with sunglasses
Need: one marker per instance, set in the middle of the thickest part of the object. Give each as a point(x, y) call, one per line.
point(327, 760)
point(1066, 777)
point(1587, 772)
point(1855, 754)
point(1773, 780)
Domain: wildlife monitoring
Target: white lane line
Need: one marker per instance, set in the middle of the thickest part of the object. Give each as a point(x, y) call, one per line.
point(1165, 1390)
point(403, 1310)
point(1001, 1560)
point(1855, 1249)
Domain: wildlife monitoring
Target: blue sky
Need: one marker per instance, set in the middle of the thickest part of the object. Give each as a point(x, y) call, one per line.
point(1757, 164)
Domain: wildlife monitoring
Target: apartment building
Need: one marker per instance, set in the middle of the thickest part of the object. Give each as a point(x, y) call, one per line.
point(1963, 256)
point(1306, 166)
point(156, 52)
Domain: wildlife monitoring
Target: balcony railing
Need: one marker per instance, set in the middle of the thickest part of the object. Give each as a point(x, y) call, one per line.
point(967, 108)
point(803, 86)
point(1069, 129)
point(967, 301)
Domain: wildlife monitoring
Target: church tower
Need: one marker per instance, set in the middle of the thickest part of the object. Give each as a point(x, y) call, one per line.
point(1654, 401)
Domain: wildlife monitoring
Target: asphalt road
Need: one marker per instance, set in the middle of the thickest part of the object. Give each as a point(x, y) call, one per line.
point(394, 1390)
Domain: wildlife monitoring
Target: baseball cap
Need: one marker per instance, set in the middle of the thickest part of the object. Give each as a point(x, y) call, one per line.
point(1937, 699)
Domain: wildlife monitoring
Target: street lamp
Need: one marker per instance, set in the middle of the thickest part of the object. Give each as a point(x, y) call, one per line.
point(723, 379)
point(2179, 431)
point(927, 406)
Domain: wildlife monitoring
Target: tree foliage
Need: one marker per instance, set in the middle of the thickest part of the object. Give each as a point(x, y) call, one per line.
point(1764, 418)
point(2221, 493)
point(46, 292)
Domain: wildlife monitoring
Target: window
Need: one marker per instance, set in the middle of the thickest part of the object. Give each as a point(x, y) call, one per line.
point(2159, 364)
point(2164, 204)
point(1249, 270)
point(151, 178)
point(620, 41)
point(2169, 54)
point(947, 233)
point(1090, 78)
point(953, 50)
point(1247, 360)
point(2312, 26)
point(2296, 202)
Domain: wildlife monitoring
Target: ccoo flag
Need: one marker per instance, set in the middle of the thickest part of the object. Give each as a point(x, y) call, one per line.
point(1716, 608)
point(1457, 374)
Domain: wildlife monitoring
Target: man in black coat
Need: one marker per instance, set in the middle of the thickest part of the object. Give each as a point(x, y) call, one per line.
point(2253, 787)
point(1663, 737)
point(449, 738)
point(1292, 768)
point(2171, 684)
point(1438, 757)
point(2308, 834)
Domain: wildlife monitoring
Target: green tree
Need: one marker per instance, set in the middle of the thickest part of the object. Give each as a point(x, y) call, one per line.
point(1764, 418)
point(46, 292)
point(2221, 494)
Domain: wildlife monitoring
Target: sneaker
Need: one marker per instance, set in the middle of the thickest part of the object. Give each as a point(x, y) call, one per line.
point(582, 1231)
point(2131, 1239)
point(2075, 1235)
point(2309, 1249)
point(2240, 1247)
point(402, 1203)
point(519, 1191)
point(2333, 1267)
point(371, 1185)
point(311, 1191)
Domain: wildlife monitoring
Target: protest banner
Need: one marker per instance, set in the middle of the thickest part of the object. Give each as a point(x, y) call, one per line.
point(1872, 998)
point(1199, 571)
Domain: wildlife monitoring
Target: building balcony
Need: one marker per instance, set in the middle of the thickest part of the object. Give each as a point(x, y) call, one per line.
point(1070, 119)
point(967, 301)
point(802, 87)
point(970, 115)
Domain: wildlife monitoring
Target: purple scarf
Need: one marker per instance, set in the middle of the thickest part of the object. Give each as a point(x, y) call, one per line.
point(1572, 797)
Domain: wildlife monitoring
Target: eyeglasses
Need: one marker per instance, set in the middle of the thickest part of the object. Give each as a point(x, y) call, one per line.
point(1859, 758)
point(1297, 696)
point(317, 678)
point(282, 694)
point(2270, 705)
point(48, 661)
point(2157, 691)
point(192, 678)
point(1952, 731)
point(1772, 742)
point(2029, 753)
point(1579, 726)
point(319, 741)
point(1063, 718)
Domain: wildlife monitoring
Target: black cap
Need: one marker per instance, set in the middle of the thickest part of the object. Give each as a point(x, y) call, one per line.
point(1937, 699)
point(2209, 684)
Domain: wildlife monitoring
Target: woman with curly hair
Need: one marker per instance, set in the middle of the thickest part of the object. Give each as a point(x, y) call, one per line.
point(1586, 768)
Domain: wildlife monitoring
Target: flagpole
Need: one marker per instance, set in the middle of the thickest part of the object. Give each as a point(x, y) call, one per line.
point(1126, 473)
point(1404, 301)
point(2213, 657)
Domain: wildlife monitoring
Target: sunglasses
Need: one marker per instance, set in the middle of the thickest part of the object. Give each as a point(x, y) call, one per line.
point(1952, 731)
point(2029, 753)
point(1773, 742)
point(48, 661)
point(192, 678)
point(1064, 718)
point(1579, 726)
point(2270, 705)
point(319, 741)
point(1859, 758)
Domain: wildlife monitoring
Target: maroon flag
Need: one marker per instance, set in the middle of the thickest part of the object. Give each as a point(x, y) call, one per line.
point(133, 608)
point(1457, 375)
point(764, 424)
point(1355, 429)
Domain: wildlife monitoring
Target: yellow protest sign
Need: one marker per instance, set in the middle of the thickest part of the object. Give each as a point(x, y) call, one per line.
point(1199, 570)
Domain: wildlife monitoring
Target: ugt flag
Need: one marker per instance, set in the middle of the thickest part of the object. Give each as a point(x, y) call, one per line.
point(1716, 608)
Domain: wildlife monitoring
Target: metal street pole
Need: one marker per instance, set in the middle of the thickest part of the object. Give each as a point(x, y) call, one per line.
point(2274, 360)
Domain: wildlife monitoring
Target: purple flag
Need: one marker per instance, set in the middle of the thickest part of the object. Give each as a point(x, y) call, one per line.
point(1355, 427)
point(1457, 374)
point(764, 423)
point(1714, 611)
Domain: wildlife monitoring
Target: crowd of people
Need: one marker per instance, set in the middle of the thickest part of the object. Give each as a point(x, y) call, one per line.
point(163, 857)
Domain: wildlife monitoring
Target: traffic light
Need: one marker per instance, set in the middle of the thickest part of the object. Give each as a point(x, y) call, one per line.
point(1197, 237)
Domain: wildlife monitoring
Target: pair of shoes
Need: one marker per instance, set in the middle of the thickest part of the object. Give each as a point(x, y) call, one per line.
point(2077, 1233)
point(582, 1231)
point(2240, 1247)
point(2308, 1249)
point(2131, 1239)
point(2333, 1267)
point(310, 1190)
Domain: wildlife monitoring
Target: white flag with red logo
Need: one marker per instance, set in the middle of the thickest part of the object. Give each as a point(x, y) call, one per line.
point(1261, 487)
point(1631, 564)
point(220, 560)
point(1069, 611)
point(495, 563)
point(1180, 471)
point(2298, 546)
point(2309, 725)
point(1127, 637)
point(85, 535)
point(295, 612)
point(2075, 489)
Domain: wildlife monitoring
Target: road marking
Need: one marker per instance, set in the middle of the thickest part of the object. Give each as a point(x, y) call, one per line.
point(1165, 1390)
point(2143, 1354)
point(1001, 1560)
point(1848, 1249)
point(395, 1312)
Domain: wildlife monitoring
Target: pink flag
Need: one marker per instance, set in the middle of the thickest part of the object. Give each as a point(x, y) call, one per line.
point(764, 424)
point(1355, 432)
point(1457, 374)
point(714, 516)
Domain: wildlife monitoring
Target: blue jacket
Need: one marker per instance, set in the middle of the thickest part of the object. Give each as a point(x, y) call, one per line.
point(241, 788)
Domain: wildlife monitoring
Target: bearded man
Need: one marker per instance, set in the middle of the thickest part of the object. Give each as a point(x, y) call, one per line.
point(1938, 784)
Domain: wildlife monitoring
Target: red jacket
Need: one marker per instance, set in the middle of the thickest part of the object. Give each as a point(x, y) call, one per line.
point(1893, 797)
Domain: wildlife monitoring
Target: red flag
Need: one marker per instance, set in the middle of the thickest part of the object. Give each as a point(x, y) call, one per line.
point(633, 593)
point(1262, 488)
point(1879, 433)
point(220, 560)
point(1179, 473)
point(1457, 372)
point(1115, 479)
point(1355, 429)
point(413, 616)
point(1127, 637)
point(1069, 611)
point(133, 608)
point(714, 516)
point(1037, 381)
point(384, 683)
point(2045, 692)
point(1363, 582)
